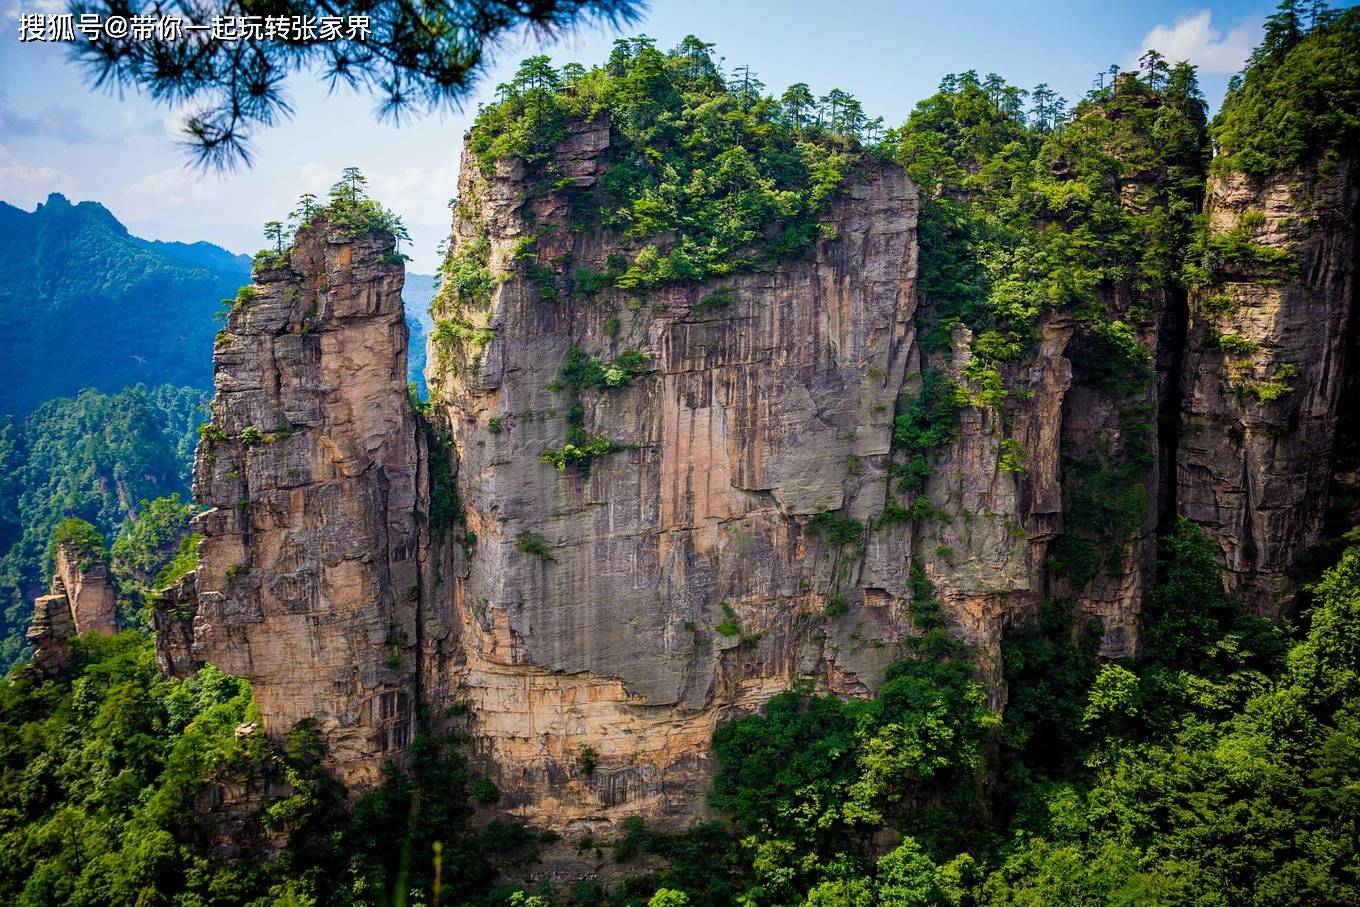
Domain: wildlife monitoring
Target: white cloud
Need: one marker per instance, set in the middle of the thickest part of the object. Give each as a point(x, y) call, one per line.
point(419, 194)
point(1195, 38)
point(25, 186)
point(316, 179)
point(174, 187)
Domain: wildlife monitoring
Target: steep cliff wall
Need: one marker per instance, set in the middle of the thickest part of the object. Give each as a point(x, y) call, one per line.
point(308, 568)
point(627, 517)
point(1268, 360)
point(725, 514)
point(623, 606)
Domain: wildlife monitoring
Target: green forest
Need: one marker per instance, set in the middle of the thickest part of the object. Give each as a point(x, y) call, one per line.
point(95, 457)
point(1218, 767)
point(145, 309)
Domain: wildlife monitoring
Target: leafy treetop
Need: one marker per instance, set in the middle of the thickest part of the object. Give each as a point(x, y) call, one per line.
point(1299, 97)
point(706, 173)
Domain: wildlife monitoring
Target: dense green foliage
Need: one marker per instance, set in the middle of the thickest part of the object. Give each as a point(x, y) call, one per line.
point(84, 304)
point(1216, 768)
point(1212, 769)
point(1025, 214)
point(347, 211)
point(1217, 764)
point(705, 174)
point(98, 772)
point(149, 538)
point(1299, 99)
point(105, 769)
point(98, 458)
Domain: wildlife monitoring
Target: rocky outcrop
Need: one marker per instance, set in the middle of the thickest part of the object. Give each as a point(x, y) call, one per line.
point(625, 608)
point(50, 633)
point(82, 599)
point(1268, 361)
point(85, 583)
point(172, 621)
point(308, 565)
point(626, 518)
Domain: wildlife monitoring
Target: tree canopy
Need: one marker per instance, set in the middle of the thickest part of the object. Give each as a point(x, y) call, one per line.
point(1299, 98)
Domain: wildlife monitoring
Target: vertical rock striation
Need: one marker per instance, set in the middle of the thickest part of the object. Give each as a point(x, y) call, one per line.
point(81, 600)
point(626, 518)
point(308, 564)
point(50, 633)
point(1268, 359)
point(627, 606)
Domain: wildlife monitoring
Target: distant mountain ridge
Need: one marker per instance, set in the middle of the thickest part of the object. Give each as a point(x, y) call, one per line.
point(84, 303)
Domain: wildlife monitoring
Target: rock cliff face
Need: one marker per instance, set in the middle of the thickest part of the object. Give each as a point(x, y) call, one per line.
point(88, 590)
point(82, 599)
point(734, 539)
point(624, 520)
point(625, 608)
point(308, 564)
point(1269, 372)
point(50, 633)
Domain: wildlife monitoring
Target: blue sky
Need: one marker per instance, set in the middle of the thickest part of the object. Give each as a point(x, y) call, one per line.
point(58, 135)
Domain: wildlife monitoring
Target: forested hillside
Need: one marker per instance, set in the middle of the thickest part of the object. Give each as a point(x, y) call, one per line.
point(84, 304)
point(96, 457)
point(1217, 768)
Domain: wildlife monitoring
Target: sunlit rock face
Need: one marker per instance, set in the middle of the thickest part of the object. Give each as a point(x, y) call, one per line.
point(588, 623)
point(679, 579)
point(309, 464)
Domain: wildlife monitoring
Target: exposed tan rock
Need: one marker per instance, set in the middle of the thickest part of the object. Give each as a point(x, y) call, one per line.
point(172, 620)
point(81, 600)
point(308, 557)
point(752, 417)
point(94, 604)
point(1255, 462)
point(50, 633)
point(627, 609)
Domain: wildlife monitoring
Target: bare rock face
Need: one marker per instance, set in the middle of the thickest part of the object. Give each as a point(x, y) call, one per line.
point(50, 633)
point(623, 609)
point(309, 466)
point(172, 620)
point(632, 517)
point(1267, 362)
point(82, 599)
point(728, 537)
point(94, 604)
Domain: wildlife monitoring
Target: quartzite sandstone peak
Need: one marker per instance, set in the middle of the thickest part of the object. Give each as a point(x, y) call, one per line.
point(1270, 375)
point(625, 607)
point(81, 600)
point(308, 563)
point(681, 582)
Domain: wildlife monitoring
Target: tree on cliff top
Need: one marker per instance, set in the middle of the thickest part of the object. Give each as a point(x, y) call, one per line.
point(1298, 99)
point(409, 57)
point(708, 174)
